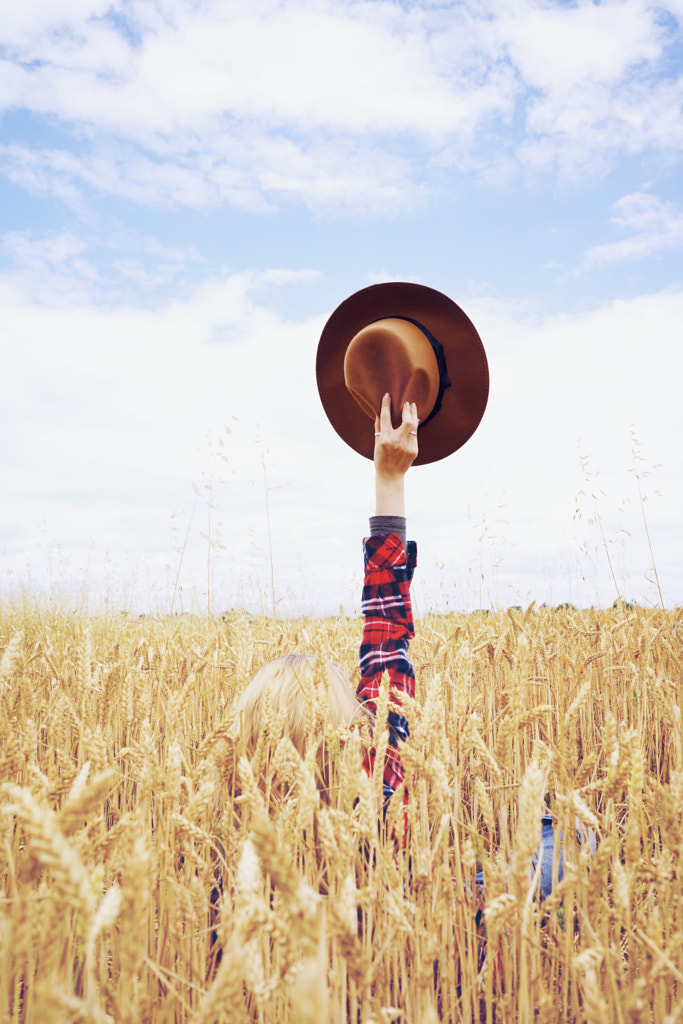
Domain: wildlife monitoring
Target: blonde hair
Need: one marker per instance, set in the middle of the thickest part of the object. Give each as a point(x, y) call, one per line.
point(291, 683)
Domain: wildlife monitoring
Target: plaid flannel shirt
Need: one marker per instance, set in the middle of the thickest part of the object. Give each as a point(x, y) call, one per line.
point(387, 632)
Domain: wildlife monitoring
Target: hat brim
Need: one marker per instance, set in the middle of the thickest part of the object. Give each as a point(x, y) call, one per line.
point(463, 402)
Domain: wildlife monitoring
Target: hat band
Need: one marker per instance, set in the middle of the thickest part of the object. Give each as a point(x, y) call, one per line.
point(437, 348)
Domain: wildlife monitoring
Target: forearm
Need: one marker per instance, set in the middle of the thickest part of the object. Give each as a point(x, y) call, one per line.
point(387, 631)
point(385, 602)
point(390, 495)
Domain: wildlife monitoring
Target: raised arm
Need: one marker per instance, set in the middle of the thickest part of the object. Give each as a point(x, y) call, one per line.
point(395, 452)
point(389, 567)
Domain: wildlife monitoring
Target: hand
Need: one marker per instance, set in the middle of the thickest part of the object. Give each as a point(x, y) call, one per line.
point(395, 452)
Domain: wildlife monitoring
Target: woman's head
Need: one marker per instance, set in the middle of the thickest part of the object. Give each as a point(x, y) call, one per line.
point(293, 683)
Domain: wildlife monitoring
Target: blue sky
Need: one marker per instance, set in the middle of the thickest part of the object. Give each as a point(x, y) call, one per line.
point(188, 189)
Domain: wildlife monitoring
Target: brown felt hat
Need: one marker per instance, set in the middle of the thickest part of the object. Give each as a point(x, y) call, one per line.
point(418, 345)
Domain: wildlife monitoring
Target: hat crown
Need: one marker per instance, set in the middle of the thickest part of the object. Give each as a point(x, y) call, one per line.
point(392, 355)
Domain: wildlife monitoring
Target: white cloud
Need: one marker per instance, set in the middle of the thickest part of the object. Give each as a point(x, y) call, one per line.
point(51, 250)
point(53, 267)
point(658, 226)
point(349, 68)
point(556, 46)
point(110, 416)
point(329, 175)
point(61, 269)
point(598, 84)
point(35, 20)
point(562, 387)
point(245, 104)
point(584, 130)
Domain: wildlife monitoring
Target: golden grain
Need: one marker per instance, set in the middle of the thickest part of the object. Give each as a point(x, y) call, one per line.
point(147, 873)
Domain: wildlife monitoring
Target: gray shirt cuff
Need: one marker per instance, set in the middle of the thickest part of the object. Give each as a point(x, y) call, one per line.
point(389, 524)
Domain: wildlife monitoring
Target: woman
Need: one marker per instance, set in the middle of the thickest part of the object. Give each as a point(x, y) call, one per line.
point(390, 562)
point(388, 628)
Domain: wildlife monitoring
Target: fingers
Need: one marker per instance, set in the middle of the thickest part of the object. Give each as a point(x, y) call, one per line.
point(409, 420)
point(409, 416)
point(383, 424)
point(385, 414)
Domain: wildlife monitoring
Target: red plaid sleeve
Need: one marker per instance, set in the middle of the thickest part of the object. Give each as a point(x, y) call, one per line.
point(387, 632)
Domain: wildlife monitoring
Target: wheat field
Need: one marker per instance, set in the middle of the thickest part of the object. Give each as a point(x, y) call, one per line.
point(150, 871)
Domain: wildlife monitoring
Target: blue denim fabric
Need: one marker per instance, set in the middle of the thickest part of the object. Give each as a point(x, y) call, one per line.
point(546, 852)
